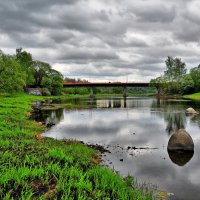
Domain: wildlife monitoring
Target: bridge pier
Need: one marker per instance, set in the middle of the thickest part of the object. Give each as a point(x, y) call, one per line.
point(125, 92)
point(91, 92)
point(124, 102)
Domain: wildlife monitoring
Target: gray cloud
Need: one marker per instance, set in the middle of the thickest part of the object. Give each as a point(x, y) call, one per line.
point(158, 13)
point(103, 40)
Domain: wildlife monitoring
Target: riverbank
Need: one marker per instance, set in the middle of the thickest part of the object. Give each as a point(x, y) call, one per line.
point(35, 168)
point(195, 96)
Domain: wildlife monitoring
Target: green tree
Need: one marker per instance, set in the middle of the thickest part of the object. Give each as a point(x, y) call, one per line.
point(159, 83)
point(53, 81)
point(12, 76)
point(195, 74)
point(25, 60)
point(176, 69)
point(187, 84)
point(40, 71)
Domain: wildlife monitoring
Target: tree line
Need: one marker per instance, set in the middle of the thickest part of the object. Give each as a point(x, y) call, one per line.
point(176, 80)
point(20, 71)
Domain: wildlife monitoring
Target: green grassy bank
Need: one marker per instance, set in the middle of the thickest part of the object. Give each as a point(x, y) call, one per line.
point(195, 96)
point(50, 169)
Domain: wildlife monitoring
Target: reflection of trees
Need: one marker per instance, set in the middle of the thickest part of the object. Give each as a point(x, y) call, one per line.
point(49, 116)
point(55, 116)
point(172, 112)
point(175, 121)
point(195, 118)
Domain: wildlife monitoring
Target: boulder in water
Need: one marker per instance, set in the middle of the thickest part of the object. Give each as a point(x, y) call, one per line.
point(180, 141)
point(191, 111)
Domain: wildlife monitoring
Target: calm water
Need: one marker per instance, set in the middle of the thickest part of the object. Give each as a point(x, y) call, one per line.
point(120, 124)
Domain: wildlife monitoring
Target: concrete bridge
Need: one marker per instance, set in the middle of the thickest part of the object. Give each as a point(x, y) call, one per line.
point(105, 84)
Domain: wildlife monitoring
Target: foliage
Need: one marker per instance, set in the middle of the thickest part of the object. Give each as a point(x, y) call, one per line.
point(159, 83)
point(74, 80)
point(46, 92)
point(174, 73)
point(40, 70)
point(20, 71)
point(53, 81)
point(187, 84)
point(25, 60)
point(51, 169)
point(195, 75)
point(12, 77)
point(170, 81)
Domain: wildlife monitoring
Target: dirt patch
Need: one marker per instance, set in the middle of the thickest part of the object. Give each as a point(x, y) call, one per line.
point(100, 148)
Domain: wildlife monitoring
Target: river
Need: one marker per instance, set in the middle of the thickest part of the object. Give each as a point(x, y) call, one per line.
point(136, 131)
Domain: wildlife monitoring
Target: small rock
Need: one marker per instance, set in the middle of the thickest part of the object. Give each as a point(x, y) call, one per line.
point(121, 160)
point(191, 111)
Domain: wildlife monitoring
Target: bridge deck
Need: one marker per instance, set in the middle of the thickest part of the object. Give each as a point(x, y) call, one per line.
point(109, 84)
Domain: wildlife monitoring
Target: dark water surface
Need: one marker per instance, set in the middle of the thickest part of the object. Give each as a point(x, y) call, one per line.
point(137, 131)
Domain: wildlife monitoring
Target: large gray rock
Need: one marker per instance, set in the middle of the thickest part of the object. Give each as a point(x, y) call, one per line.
point(180, 140)
point(191, 111)
point(34, 91)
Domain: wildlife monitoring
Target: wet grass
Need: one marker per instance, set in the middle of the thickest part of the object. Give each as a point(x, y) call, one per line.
point(50, 169)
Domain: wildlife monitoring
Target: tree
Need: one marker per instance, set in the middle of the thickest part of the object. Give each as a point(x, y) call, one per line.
point(74, 80)
point(25, 60)
point(40, 71)
point(53, 81)
point(159, 83)
point(195, 75)
point(12, 76)
point(175, 71)
point(187, 84)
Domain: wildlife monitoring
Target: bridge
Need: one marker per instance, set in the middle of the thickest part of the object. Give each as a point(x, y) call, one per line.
point(105, 84)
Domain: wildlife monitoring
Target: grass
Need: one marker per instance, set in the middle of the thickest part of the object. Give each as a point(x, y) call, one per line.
point(195, 96)
point(51, 169)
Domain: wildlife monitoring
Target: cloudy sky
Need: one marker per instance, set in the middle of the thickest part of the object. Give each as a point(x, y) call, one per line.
point(103, 40)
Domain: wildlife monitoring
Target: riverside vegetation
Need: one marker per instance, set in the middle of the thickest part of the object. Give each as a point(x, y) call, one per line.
point(51, 169)
point(195, 96)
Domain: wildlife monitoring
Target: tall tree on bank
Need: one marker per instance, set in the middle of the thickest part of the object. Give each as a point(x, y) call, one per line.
point(187, 84)
point(176, 69)
point(53, 81)
point(12, 76)
point(25, 60)
point(40, 70)
point(195, 74)
point(159, 83)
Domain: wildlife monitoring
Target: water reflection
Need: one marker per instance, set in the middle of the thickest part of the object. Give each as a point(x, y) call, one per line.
point(175, 121)
point(173, 115)
point(49, 117)
point(195, 118)
point(180, 157)
point(140, 122)
point(111, 103)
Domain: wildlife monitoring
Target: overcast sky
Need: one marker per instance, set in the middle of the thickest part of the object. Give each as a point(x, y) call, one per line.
point(103, 40)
